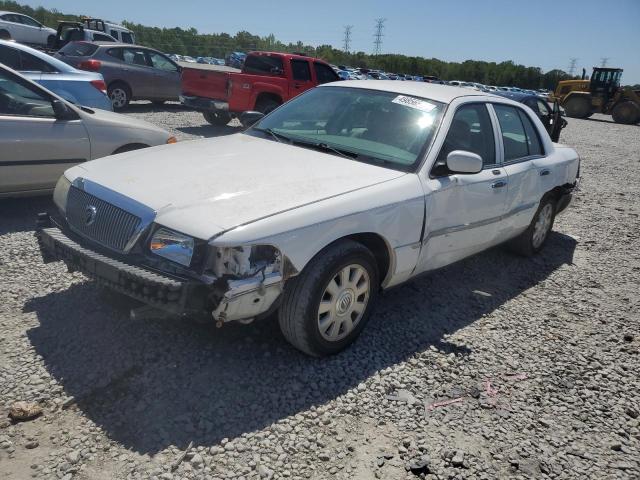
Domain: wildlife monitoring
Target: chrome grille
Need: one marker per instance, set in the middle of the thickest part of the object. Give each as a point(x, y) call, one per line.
point(101, 221)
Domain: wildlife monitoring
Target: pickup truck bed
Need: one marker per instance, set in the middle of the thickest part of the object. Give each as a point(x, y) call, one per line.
point(266, 81)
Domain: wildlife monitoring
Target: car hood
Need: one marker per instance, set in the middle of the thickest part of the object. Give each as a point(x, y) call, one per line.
point(97, 118)
point(205, 187)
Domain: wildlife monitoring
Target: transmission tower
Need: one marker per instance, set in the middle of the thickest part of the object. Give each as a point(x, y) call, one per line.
point(347, 38)
point(604, 61)
point(377, 43)
point(572, 66)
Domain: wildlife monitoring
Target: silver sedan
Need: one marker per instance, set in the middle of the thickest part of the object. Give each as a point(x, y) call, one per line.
point(41, 135)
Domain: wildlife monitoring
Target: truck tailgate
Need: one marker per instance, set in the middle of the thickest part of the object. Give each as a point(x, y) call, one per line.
point(205, 82)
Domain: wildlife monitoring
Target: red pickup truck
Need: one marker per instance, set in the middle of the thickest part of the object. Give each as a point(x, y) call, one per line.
point(266, 81)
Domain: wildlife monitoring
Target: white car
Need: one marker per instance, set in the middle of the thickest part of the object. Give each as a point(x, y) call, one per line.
point(346, 190)
point(24, 29)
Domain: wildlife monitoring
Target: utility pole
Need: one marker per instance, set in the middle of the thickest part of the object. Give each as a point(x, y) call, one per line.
point(572, 66)
point(347, 38)
point(604, 61)
point(377, 43)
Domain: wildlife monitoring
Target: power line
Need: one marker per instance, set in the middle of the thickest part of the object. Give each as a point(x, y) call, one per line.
point(604, 61)
point(377, 43)
point(572, 66)
point(347, 38)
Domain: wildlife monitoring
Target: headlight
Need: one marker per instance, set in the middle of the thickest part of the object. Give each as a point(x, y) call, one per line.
point(244, 261)
point(60, 193)
point(172, 245)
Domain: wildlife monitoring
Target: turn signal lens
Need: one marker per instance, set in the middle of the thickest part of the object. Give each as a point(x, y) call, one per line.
point(100, 85)
point(172, 140)
point(172, 245)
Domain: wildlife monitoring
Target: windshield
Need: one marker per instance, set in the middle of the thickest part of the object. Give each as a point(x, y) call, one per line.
point(367, 125)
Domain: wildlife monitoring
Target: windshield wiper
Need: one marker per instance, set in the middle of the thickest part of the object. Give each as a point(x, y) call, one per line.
point(277, 136)
point(326, 148)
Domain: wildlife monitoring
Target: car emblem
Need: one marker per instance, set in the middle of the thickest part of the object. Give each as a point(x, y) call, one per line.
point(90, 215)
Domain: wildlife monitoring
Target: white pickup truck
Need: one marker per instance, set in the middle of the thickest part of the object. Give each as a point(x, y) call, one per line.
point(349, 188)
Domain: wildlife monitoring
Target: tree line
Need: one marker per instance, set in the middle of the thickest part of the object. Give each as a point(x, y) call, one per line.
point(191, 42)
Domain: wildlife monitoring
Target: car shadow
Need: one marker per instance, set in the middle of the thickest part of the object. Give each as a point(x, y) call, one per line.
point(19, 214)
point(210, 131)
point(155, 383)
point(149, 107)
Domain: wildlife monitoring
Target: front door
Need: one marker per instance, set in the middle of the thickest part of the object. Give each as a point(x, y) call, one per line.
point(35, 147)
point(166, 77)
point(464, 211)
point(301, 79)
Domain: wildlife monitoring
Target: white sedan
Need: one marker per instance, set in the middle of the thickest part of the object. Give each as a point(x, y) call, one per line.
point(348, 189)
point(24, 29)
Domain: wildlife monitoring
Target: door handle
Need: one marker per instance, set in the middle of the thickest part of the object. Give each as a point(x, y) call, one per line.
point(545, 172)
point(499, 184)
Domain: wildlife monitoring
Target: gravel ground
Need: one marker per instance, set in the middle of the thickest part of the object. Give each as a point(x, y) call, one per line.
point(539, 356)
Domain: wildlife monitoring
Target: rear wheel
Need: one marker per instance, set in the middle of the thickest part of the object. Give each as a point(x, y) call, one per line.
point(532, 240)
point(578, 107)
point(5, 35)
point(51, 40)
point(120, 95)
point(626, 112)
point(217, 118)
point(266, 105)
point(328, 304)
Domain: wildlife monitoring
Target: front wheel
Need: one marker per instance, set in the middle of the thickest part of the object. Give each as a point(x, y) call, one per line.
point(217, 118)
point(578, 106)
point(532, 240)
point(327, 305)
point(626, 112)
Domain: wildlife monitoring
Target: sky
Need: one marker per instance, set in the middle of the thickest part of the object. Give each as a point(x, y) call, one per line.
point(542, 33)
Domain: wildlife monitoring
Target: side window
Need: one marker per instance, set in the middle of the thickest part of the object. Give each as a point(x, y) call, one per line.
point(126, 37)
point(28, 21)
point(99, 37)
point(514, 137)
point(161, 62)
point(324, 74)
point(24, 101)
point(534, 144)
point(471, 131)
point(543, 108)
point(114, 34)
point(10, 57)
point(134, 57)
point(31, 63)
point(116, 53)
point(301, 70)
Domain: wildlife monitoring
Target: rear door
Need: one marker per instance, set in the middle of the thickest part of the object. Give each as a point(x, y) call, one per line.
point(16, 28)
point(521, 146)
point(134, 69)
point(35, 147)
point(166, 76)
point(301, 79)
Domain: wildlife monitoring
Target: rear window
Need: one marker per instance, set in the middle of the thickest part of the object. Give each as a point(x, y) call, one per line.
point(79, 49)
point(263, 65)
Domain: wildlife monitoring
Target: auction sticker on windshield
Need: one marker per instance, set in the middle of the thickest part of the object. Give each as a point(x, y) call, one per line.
point(413, 102)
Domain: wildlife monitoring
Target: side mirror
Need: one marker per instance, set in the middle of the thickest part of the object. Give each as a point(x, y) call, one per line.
point(250, 117)
point(61, 111)
point(461, 161)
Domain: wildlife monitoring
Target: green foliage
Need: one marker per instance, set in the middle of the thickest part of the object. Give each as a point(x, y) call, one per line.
point(190, 42)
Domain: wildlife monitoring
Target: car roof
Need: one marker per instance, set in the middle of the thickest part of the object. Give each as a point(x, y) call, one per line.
point(517, 96)
point(117, 44)
point(432, 91)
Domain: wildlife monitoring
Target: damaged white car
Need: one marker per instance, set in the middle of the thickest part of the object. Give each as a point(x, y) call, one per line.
point(347, 189)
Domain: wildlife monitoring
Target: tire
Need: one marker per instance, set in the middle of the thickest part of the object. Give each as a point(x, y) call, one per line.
point(218, 118)
point(343, 267)
point(51, 40)
point(120, 95)
point(266, 105)
point(5, 35)
point(533, 239)
point(626, 113)
point(578, 107)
